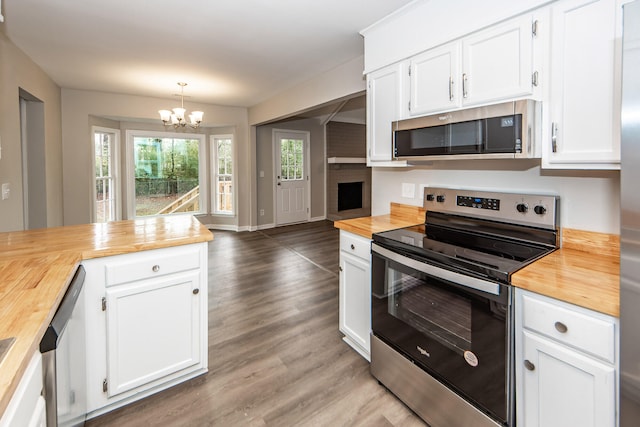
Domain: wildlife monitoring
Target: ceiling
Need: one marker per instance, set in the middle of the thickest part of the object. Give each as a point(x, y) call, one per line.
point(230, 52)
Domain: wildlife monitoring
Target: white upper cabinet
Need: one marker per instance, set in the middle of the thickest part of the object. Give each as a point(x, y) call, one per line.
point(498, 62)
point(434, 80)
point(491, 65)
point(384, 100)
point(583, 127)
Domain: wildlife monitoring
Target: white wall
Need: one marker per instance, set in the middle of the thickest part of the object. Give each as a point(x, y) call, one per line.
point(589, 200)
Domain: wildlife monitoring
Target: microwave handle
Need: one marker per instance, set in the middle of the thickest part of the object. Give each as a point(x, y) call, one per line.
point(440, 273)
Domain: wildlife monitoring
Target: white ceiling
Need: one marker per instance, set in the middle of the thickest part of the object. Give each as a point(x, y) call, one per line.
point(230, 52)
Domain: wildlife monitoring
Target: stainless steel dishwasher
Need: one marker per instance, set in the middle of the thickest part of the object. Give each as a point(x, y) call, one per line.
point(63, 359)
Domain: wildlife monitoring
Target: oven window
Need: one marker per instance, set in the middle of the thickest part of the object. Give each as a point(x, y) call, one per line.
point(441, 314)
point(457, 334)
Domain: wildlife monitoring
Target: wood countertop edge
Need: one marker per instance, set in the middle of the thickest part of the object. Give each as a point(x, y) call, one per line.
point(17, 359)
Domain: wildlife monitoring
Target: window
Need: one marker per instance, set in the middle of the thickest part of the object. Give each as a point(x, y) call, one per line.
point(291, 159)
point(222, 174)
point(105, 166)
point(165, 174)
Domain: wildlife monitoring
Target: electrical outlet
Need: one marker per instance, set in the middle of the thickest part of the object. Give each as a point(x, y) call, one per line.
point(408, 190)
point(261, 212)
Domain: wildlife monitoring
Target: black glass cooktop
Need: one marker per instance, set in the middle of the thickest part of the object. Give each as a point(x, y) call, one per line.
point(479, 248)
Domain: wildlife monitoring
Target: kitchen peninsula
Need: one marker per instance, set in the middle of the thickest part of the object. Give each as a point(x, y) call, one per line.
point(36, 267)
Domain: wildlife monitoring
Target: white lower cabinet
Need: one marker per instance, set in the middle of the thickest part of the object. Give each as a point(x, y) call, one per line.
point(566, 364)
point(355, 291)
point(27, 407)
point(146, 323)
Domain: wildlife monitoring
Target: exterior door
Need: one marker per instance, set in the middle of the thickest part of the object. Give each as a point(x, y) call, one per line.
point(292, 177)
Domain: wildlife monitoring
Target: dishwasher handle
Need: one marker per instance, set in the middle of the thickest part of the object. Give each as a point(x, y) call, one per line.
point(63, 314)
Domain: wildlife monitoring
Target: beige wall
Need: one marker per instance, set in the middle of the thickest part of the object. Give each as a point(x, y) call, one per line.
point(340, 83)
point(264, 162)
point(18, 71)
point(80, 110)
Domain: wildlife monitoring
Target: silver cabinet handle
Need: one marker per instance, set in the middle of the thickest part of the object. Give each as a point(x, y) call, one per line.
point(450, 88)
point(155, 268)
point(554, 137)
point(530, 366)
point(464, 85)
point(561, 327)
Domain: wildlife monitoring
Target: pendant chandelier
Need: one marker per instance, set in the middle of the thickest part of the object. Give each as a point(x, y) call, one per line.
point(177, 118)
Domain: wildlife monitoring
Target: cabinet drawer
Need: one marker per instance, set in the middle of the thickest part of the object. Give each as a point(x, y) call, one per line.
point(151, 264)
point(585, 331)
point(356, 245)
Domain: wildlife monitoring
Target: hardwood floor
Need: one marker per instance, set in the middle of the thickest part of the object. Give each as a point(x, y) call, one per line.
point(276, 357)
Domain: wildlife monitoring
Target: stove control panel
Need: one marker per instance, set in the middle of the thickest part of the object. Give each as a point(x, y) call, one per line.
point(479, 202)
point(519, 208)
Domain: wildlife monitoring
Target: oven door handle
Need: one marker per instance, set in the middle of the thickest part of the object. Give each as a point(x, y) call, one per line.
point(441, 273)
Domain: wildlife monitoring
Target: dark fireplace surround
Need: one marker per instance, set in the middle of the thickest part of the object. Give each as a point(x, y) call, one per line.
point(352, 180)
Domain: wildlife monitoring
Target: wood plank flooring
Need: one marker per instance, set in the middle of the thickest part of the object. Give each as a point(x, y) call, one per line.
point(276, 357)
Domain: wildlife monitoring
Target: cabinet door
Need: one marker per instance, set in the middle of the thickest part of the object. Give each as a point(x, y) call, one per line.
point(355, 301)
point(153, 330)
point(435, 78)
point(384, 95)
point(564, 388)
point(498, 62)
point(584, 128)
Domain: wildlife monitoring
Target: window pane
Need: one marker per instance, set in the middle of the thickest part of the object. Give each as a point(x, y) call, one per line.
point(166, 175)
point(291, 159)
point(105, 203)
point(224, 180)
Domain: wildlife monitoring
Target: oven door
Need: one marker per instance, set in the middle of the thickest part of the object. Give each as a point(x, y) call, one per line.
point(454, 326)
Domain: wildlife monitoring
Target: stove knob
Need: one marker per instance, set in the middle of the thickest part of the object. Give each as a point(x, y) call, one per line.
point(540, 210)
point(430, 197)
point(522, 207)
point(440, 199)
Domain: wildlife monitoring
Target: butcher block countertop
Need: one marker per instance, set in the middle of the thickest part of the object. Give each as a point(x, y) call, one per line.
point(584, 272)
point(36, 267)
point(400, 216)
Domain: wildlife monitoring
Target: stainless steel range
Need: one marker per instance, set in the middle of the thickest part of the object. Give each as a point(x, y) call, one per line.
point(442, 317)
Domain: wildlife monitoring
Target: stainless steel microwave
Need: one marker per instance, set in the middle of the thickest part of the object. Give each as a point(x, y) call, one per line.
point(498, 131)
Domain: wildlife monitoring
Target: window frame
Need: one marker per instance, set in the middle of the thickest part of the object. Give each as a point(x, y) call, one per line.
point(115, 159)
point(130, 169)
point(214, 174)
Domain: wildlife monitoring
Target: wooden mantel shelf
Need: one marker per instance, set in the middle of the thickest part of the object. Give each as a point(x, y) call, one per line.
point(345, 160)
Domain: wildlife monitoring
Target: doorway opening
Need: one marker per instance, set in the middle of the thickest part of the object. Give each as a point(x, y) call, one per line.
point(34, 177)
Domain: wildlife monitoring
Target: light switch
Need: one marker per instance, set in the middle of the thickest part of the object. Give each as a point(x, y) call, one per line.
point(6, 190)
